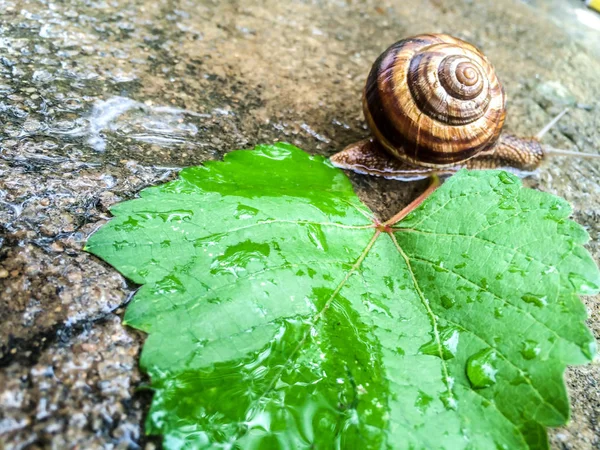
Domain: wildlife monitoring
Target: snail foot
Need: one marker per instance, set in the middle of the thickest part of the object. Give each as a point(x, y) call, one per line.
point(367, 157)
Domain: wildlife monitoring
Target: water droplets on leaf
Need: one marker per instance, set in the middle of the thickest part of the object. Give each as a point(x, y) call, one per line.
point(520, 378)
point(374, 305)
point(130, 224)
point(530, 349)
point(333, 331)
point(244, 212)
point(507, 205)
point(389, 282)
point(465, 288)
point(439, 267)
point(582, 286)
point(507, 178)
point(237, 257)
point(317, 236)
point(449, 401)
point(516, 269)
point(590, 350)
point(481, 368)
point(536, 300)
point(176, 216)
point(447, 346)
point(447, 302)
point(423, 401)
point(168, 285)
point(120, 245)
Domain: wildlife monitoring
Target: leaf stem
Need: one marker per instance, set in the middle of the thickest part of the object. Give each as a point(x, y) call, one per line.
point(435, 183)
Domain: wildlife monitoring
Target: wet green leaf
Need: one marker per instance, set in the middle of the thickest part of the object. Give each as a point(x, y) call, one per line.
point(279, 316)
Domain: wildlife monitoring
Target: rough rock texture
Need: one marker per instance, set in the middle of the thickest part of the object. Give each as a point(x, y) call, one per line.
point(99, 99)
point(78, 394)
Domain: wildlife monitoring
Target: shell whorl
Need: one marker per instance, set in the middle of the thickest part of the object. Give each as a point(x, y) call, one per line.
point(434, 100)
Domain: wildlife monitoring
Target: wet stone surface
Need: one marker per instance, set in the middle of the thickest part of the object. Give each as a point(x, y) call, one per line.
point(99, 99)
point(79, 393)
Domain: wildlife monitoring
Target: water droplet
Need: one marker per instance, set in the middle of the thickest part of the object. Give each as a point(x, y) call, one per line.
point(237, 257)
point(328, 277)
point(589, 350)
point(521, 378)
point(168, 285)
point(530, 349)
point(378, 307)
point(130, 224)
point(536, 300)
point(516, 269)
point(498, 312)
point(481, 369)
point(120, 245)
point(447, 302)
point(507, 205)
point(176, 216)
point(507, 178)
point(581, 285)
point(448, 401)
point(440, 267)
point(423, 401)
point(466, 288)
point(244, 212)
point(389, 282)
point(449, 337)
point(317, 237)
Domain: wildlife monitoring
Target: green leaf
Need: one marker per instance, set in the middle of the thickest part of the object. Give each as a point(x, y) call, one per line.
point(280, 315)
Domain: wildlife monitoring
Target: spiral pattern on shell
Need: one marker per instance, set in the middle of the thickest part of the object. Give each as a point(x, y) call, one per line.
point(434, 100)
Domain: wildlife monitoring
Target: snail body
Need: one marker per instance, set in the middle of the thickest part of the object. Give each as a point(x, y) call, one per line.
point(434, 105)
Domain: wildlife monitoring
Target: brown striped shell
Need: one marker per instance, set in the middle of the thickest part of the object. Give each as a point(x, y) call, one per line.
point(434, 100)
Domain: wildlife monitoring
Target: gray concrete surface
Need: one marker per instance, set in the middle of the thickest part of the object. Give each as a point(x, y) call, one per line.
point(101, 98)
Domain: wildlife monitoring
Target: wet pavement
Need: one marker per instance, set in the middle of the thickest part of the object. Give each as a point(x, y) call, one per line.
point(99, 99)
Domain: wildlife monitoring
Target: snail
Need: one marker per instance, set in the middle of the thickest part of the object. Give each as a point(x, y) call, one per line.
point(434, 105)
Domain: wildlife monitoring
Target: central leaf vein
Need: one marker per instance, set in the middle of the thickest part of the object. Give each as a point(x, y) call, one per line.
point(430, 313)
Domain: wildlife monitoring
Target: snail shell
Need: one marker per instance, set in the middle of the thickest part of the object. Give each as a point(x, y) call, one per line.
point(434, 100)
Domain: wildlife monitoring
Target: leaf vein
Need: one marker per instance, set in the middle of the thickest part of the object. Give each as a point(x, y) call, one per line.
point(432, 318)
